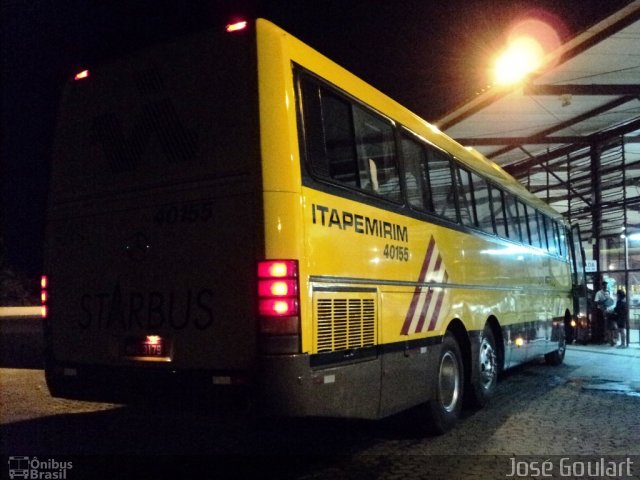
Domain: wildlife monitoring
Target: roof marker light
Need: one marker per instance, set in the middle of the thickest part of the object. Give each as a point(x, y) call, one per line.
point(236, 27)
point(82, 75)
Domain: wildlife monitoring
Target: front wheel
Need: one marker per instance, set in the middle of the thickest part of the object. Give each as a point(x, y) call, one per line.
point(484, 379)
point(445, 407)
point(556, 357)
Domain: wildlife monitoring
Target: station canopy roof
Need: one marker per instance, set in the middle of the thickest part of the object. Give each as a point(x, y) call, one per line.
point(587, 94)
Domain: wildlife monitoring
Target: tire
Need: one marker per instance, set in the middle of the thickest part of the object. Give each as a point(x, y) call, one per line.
point(61, 387)
point(485, 368)
point(448, 388)
point(556, 357)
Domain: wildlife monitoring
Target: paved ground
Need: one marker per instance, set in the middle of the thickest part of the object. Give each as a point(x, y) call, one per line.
point(582, 414)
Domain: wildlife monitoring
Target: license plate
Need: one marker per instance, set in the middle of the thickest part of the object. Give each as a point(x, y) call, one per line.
point(150, 346)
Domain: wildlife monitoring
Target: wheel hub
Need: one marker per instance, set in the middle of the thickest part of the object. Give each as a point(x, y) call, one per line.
point(449, 382)
point(488, 364)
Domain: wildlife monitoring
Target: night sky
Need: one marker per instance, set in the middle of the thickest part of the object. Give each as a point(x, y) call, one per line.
point(429, 55)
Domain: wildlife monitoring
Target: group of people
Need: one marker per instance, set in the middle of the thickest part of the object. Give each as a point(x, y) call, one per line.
point(614, 314)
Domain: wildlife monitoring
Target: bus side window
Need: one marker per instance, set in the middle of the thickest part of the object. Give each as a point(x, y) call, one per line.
point(543, 231)
point(339, 140)
point(524, 227)
point(375, 144)
point(442, 185)
point(465, 198)
point(562, 250)
point(547, 231)
point(534, 231)
point(314, 136)
point(552, 240)
point(481, 199)
point(513, 222)
point(348, 144)
point(416, 179)
point(328, 131)
point(498, 211)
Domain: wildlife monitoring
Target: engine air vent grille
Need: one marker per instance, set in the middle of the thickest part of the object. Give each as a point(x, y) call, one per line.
point(344, 323)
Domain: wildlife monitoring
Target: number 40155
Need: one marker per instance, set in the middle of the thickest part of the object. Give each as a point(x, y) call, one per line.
point(396, 252)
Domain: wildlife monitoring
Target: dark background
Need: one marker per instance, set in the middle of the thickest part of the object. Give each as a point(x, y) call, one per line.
point(429, 55)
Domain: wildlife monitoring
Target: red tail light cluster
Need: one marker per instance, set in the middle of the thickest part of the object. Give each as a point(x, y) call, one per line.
point(83, 75)
point(236, 26)
point(44, 296)
point(278, 297)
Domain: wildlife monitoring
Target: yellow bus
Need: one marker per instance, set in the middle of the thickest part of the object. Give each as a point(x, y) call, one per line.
point(234, 210)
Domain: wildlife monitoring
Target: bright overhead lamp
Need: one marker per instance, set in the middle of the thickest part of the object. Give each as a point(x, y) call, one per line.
point(522, 57)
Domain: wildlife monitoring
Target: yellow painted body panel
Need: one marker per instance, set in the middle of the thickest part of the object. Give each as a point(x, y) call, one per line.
point(485, 276)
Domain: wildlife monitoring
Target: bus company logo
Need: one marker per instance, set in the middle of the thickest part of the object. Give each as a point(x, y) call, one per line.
point(427, 301)
point(34, 468)
point(126, 150)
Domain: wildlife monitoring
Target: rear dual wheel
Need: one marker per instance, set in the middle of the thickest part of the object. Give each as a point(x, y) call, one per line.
point(444, 408)
point(446, 405)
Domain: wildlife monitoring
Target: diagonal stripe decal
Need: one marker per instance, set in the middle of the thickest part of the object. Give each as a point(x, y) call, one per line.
point(417, 293)
point(438, 304)
point(427, 302)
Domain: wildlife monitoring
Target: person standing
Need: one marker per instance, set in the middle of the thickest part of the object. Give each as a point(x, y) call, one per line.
point(621, 312)
point(603, 301)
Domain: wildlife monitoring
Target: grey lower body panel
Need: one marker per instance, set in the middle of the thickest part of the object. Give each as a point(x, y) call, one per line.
point(392, 381)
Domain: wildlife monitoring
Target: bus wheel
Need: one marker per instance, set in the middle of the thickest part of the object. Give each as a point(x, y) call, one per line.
point(485, 377)
point(556, 357)
point(60, 387)
point(444, 408)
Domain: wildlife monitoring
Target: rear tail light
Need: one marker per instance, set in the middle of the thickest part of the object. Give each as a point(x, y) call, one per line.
point(278, 269)
point(44, 296)
point(277, 288)
point(279, 305)
point(83, 75)
point(236, 26)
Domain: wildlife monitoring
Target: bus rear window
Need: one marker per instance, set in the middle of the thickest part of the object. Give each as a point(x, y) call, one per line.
point(170, 113)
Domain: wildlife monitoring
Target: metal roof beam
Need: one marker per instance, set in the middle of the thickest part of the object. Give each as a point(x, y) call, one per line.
point(572, 121)
point(514, 168)
point(533, 140)
point(562, 181)
point(578, 89)
point(541, 169)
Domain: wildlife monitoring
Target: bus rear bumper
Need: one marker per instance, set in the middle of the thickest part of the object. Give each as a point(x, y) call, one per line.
point(289, 386)
point(142, 384)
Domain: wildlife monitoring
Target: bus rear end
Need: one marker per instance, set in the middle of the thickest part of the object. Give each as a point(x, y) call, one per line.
point(154, 223)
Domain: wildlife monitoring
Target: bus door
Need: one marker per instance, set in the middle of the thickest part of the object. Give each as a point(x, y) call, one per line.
point(578, 329)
